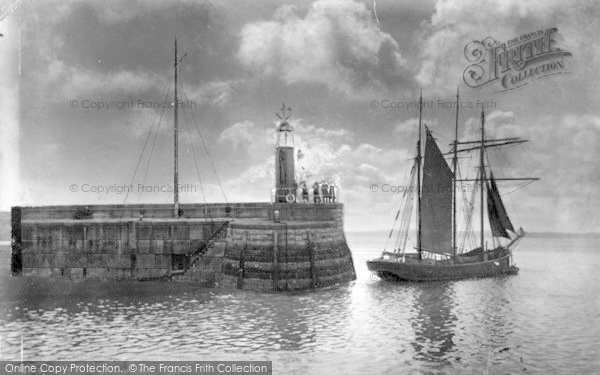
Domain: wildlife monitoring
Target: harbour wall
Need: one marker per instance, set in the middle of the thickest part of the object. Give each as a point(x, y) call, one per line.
point(218, 245)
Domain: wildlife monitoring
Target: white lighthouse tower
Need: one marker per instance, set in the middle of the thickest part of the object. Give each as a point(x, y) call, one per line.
point(284, 159)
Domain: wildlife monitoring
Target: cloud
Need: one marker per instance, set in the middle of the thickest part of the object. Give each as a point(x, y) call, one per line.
point(498, 124)
point(407, 125)
point(69, 82)
point(140, 121)
point(568, 191)
point(336, 44)
point(110, 12)
point(247, 136)
point(408, 128)
point(10, 168)
point(253, 184)
point(563, 152)
point(217, 93)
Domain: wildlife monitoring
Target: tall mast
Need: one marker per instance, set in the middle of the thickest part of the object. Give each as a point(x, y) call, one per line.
point(419, 179)
point(454, 164)
point(175, 169)
point(481, 180)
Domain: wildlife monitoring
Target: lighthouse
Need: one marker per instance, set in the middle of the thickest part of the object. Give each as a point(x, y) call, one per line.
point(285, 188)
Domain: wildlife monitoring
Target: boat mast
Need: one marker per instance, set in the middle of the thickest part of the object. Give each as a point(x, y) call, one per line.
point(454, 163)
point(175, 177)
point(481, 179)
point(419, 179)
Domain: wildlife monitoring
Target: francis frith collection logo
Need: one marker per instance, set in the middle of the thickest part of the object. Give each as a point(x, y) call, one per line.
point(514, 63)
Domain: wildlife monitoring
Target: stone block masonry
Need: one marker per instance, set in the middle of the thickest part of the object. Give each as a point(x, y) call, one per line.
point(218, 245)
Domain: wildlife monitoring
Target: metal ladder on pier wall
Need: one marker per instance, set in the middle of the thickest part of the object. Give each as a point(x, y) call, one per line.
point(197, 254)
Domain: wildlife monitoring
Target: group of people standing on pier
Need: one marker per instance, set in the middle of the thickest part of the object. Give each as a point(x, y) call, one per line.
point(321, 192)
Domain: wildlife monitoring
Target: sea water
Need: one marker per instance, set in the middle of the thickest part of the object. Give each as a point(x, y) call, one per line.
point(546, 319)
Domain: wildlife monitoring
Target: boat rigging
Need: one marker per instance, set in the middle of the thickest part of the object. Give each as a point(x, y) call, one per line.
point(438, 256)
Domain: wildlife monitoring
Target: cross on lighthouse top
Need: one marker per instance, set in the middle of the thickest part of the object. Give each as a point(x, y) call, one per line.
point(286, 112)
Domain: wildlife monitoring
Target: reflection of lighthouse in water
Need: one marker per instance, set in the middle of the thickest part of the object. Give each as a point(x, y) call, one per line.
point(284, 158)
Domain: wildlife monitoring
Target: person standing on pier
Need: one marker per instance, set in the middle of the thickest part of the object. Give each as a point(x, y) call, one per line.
point(325, 190)
point(298, 192)
point(332, 192)
point(304, 192)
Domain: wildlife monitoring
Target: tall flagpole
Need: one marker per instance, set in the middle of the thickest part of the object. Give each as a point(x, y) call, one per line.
point(454, 168)
point(419, 234)
point(481, 180)
point(175, 176)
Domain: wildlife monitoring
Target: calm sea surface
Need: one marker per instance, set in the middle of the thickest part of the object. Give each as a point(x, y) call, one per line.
point(544, 320)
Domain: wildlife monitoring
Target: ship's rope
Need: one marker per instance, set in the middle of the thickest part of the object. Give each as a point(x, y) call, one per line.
point(196, 127)
point(468, 208)
point(156, 133)
point(392, 230)
point(462, 206)
point(387, 241)
point(150, 132)
point(464, 209)
point(401, 213)
point(401, 210)
point(408, 208)
point(190, 144)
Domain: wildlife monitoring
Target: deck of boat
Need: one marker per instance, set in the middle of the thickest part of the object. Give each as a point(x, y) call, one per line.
point(415, 270)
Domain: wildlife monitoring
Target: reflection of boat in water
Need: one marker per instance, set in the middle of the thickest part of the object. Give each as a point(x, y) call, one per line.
point(434, 322)
point(439, 255)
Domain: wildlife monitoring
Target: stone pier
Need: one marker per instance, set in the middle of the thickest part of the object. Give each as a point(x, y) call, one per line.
point(234, 245)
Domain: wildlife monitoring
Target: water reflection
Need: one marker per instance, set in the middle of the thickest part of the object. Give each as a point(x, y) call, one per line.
point(131, 319)
point(544, 319)
point(434, 321)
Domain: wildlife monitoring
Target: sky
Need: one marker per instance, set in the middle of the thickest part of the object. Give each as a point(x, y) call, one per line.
point(339, 65)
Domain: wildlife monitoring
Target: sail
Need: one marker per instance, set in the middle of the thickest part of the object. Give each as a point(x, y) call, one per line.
point(436, 201)
point(499, 221)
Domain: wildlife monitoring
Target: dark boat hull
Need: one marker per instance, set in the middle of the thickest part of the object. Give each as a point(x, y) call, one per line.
point(413, 270)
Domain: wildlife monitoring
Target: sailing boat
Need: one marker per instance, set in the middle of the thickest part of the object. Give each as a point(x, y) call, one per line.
point(437, 255)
